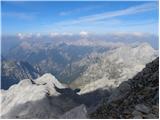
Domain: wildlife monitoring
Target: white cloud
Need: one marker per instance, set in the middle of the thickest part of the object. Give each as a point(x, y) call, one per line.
point(83, 33)
point(138, 34)
point(128, 11)
point(67, 33)
point(79, 10)
point(24, 35)
point(20, 15)
point(20, 35)
point(38, 35)
point(53, 34)
point(108, 15)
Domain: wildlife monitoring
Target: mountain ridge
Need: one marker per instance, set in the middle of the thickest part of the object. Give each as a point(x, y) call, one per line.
point(115, 66)
point(136, 98)
point(14, 71)
point(46, 97)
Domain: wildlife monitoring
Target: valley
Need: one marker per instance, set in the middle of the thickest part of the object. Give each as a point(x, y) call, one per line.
point(79, 59)
point(71, 58)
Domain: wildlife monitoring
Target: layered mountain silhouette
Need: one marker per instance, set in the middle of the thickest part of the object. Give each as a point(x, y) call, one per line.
point(105, 84)
point(48, 98)
point(114, 67)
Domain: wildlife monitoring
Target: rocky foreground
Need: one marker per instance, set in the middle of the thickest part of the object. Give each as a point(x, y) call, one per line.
point(46, 97)
point(135, 98)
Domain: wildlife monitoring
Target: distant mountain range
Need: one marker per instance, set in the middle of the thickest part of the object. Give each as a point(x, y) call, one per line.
point(46, 97)
point(58, 59)
point(13, 72)
point(68, 56)
point(75, 65)
point(114, 67)
point(79, 76)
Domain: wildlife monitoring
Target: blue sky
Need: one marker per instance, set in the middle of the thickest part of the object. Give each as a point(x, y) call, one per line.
point(73, 17)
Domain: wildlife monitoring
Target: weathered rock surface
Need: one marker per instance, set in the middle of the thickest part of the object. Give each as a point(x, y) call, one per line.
point(36, 99)
point(136, 98)
point(15, 71)
point(79, 112)
point(114, 67)
point(142, 108)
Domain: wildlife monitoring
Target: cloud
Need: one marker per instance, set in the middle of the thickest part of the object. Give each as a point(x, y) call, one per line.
point(128, 11)
point(108, 15)
point(83, 33)
point(79, 10)
point(53, 34)
point(19, 15)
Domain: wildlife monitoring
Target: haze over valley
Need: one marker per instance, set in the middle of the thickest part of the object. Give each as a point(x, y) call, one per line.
point(101, 61)
point(69, 56)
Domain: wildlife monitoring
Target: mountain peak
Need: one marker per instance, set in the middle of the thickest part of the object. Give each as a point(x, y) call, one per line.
point(145, 46)
point(30, 90)
point(50, 80)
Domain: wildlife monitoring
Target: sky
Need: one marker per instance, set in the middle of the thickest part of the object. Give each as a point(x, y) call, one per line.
point(74, 17)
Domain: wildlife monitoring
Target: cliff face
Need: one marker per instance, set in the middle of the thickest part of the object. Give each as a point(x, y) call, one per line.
point(15, 71)
point(136, 98)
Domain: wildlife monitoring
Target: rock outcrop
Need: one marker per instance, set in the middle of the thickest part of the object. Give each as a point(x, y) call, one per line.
point(46, 97)
point(79, 112)
point(136, 98)
point(36, 99)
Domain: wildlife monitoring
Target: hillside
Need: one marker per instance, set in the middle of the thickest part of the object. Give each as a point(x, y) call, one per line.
point(14, 71)
point(136, 98)
point(114, 67)
point(46, 97)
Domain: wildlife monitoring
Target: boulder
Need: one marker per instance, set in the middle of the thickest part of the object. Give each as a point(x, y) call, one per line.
point(142, 108)
point(79, 112)
point(120, 93)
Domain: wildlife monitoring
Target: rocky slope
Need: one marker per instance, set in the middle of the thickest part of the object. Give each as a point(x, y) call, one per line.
point(79, 112)
point(136, 98)
point(114, 67)
point(13, 72)
point(44, 97)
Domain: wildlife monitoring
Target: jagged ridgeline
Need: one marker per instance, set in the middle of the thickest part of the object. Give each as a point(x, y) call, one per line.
point(14, 71)
point(46, 97)
point(76, 66)
point(115, 66)
point(79, 60)
point(46, 80)
point(136, 98)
